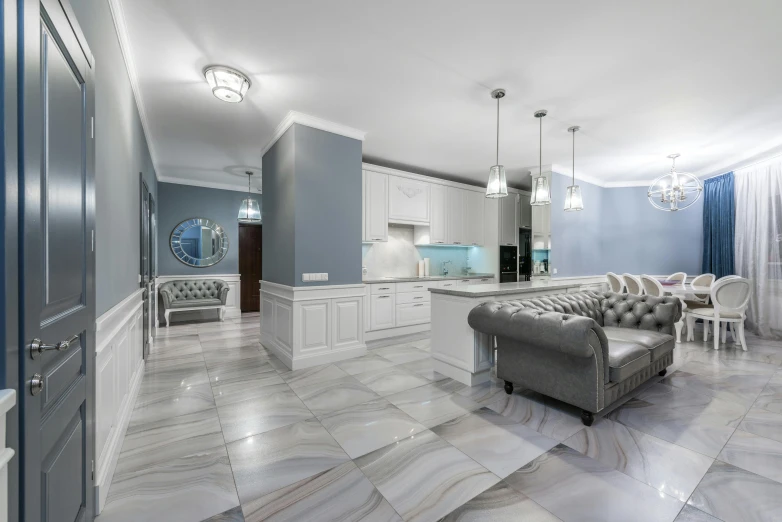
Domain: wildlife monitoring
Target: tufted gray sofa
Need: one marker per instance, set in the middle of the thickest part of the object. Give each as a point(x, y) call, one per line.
point(586, 349)
point(194, 294)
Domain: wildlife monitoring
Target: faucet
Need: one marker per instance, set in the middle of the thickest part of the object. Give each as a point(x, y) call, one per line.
point(445, 268)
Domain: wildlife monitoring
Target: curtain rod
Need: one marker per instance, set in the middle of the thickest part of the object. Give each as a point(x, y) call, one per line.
point(746, 166)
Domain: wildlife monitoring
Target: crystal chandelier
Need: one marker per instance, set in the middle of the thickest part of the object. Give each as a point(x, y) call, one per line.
point(675, 190)
point(541, 192)
point(573, 199)
point(497, 187)
point(249, 211)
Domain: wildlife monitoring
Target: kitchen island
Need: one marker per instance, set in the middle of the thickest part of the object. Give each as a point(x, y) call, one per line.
point(460, 352)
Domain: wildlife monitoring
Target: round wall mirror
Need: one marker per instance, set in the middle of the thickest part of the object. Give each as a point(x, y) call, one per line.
point(199, 242)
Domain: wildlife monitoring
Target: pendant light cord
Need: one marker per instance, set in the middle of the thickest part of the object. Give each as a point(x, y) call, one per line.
point(498, 131)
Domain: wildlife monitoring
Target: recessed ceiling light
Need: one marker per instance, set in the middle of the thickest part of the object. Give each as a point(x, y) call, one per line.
point(227, 84)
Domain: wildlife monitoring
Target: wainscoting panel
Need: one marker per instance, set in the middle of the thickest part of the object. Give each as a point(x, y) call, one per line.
point(308, 326)
point(232, 304)
point(120, 368)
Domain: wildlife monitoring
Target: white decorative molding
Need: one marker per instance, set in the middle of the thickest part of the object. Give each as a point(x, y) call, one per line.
point(204, 184)
point(119, 371)
point(118, 16)
point(232, 304)
point(314, 122)
point(312, 325)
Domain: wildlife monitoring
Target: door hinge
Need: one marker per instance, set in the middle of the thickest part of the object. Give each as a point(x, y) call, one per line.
point(93, 470)
point(92, 127)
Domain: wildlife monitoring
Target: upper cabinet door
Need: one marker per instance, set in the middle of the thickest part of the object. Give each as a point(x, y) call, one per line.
point(525, 211)
point(408, 201)
point(474, 224)
point(456, 220)
point(376, 206)
point(509, 229)
point(439, 214)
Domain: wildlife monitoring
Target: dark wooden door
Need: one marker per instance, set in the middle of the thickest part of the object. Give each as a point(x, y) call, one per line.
point(250, 240)
point(58, 270)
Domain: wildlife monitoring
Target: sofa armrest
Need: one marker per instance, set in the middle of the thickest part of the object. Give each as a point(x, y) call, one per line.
point(642, 312)
point(564, 333)
point(168, 298)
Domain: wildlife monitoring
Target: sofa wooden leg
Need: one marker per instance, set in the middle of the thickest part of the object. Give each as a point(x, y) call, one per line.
point(508, 387)
point(587, 417)
point(662, 372)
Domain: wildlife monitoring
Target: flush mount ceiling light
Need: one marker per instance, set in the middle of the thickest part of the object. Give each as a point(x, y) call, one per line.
point(675, 190)
point(541, 192)
point(227, 84)
point(573, 199)
point(497, 187)
point(249, 211)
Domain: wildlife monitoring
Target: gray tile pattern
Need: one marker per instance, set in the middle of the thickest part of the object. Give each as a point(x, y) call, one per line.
point(223, 431)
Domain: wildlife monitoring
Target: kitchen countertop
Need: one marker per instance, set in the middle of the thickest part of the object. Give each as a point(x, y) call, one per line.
point(430, 278)
point(500, 289)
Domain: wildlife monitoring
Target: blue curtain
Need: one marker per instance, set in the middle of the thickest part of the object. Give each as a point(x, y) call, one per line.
point(719, 225)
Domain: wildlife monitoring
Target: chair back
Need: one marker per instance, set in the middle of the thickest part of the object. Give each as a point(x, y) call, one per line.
point(730, 294)
point(615, 283)
point(652, 286)
point(633, 284)
point(703, 280)
point(678, 276)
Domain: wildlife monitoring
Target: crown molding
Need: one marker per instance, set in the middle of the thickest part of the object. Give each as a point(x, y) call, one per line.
point(204, 184)
point(121, 28)
point(313, 122)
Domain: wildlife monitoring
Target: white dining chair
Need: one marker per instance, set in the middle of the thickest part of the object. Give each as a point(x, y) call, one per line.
point(653, 287)
point(678, 276)
point(633, 284)
point(729, 298)
point(615, 283)
point(694, 301)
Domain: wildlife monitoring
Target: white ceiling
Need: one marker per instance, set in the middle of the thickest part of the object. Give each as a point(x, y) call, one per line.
point(642, 79)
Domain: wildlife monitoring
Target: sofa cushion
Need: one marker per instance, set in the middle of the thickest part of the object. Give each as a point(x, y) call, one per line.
point(193, 303)
point(625, 359)
point(657, 343)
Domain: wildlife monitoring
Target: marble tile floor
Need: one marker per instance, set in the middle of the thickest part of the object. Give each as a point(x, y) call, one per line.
point(223, 431)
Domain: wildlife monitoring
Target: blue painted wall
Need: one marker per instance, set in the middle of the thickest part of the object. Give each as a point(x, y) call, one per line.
point(177, 203)
point(279, 210)
point(312, 219)
point(619, 231)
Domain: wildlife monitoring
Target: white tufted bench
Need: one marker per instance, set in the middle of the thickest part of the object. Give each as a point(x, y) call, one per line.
point(194, 294)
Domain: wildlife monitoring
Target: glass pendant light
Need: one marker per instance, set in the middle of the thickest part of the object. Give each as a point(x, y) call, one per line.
point(675, 190)
point(497, 187)
point(249, 211)
point(573, 199)
point(541, 192)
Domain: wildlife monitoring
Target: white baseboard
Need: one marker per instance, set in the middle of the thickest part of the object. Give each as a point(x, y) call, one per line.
point(108, 461)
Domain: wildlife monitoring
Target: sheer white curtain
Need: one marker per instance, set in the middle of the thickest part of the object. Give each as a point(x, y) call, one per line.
point(758, 243)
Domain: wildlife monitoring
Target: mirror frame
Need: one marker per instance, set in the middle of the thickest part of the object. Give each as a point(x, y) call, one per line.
point(198, 262)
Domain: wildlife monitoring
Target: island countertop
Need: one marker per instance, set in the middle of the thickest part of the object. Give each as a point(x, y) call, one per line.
point(504, 289)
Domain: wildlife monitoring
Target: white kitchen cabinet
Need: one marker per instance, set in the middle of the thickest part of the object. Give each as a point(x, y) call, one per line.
point(408, 201)
point(525, 211)
point(413, 313)
point(509, 228)
point(438, 214)
point(474, 217)
point(382, 310)
point(455, 224)
point(375, 206)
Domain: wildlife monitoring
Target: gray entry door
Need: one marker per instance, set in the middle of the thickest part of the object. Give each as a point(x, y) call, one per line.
point(58, 269)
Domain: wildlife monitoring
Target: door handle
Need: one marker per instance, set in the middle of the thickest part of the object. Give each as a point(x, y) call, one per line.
point(37, 347)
